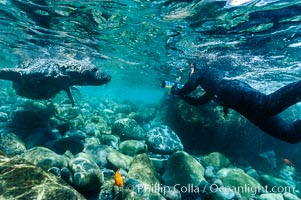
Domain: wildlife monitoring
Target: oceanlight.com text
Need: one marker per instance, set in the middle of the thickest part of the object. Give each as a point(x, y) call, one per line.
point(190, 188)
point(246, 188)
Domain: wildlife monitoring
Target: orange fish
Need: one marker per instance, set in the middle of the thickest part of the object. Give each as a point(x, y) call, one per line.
point(118, 179)
point(288, 162)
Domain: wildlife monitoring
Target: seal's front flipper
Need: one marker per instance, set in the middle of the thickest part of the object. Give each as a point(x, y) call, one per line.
point(10, 74)
point(70, 96)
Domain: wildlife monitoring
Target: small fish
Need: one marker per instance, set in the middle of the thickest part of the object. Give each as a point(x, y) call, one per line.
point(288, 162)
point(118, 179)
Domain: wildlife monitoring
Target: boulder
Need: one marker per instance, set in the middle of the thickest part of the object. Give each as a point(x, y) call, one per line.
point(21, 180)
point(128, 129)
point(99, 153)
point(132, 147)
point(45, 158)
point(142, 170)
point(98, 125)
point(216, 160)
point(183, 169)
point(110, 140)
point(87, 176)
point(163, 140)
point(239, 181)
point(118, 160)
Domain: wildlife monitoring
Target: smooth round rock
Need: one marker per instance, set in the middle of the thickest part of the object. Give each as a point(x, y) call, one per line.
point(237, 178)
point(87, 176)
point(142, 170)
point(128, 129)
point(45, 158)
point(216, 159)
point(163, 140)
point(119, 160)
point(132, 147)
point(183, 169)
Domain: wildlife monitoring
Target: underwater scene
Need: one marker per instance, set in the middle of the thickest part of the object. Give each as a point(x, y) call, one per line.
point(150, 99)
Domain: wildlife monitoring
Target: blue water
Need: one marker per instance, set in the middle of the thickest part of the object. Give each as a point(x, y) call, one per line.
point(126, 93)
point(140, 43)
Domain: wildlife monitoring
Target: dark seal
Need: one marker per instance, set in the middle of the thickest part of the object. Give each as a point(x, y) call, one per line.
point(45, 78)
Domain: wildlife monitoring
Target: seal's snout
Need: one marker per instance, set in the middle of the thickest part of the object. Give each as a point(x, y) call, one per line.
point(107, 77)
point(102, 77)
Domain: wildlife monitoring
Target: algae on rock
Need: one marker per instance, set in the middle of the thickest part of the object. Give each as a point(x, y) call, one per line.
point(21, 180)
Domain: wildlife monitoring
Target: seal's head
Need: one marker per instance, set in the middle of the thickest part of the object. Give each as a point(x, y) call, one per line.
point(95, 76)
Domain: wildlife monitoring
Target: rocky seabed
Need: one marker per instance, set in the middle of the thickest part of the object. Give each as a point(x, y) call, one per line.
point(50, 150)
